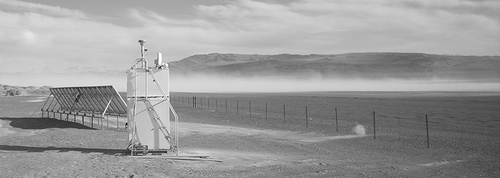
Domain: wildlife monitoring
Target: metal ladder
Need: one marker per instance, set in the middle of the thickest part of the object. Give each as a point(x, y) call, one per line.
point(152, 113)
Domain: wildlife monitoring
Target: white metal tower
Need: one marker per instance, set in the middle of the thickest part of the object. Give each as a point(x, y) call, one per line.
point(149, 107)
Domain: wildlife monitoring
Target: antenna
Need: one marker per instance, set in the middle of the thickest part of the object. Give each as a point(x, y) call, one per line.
point(142, 47)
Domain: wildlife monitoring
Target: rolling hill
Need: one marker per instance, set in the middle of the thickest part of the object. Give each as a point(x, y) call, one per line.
point(350, 65)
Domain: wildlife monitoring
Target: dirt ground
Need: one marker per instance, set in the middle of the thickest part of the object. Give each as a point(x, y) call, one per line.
point(254, 147)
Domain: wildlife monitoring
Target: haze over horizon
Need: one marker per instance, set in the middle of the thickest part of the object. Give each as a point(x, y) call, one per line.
point(221, 84)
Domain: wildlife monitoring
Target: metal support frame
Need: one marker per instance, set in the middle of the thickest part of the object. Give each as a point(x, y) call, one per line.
point(87, 101)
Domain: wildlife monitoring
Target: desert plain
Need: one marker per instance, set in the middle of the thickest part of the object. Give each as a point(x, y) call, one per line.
point(253, 140)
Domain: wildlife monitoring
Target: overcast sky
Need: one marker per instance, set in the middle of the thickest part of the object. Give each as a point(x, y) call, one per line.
point(62, 33)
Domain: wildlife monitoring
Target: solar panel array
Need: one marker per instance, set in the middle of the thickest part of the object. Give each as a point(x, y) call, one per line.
point(90, 99)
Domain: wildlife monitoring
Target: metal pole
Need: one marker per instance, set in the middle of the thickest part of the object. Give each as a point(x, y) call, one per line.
point(427, 128)
point(307, 120)
point(374, 134)
point(208, 103)
point(266, 111)
point(336, 121)
point(250, 109)
point(236, 107)
point(216, 106)
point(283, 114)
point(226, 105)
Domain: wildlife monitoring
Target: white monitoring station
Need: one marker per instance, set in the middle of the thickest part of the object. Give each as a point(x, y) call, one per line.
point(148, 108)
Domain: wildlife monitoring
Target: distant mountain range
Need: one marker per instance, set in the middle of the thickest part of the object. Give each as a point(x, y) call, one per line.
point(350, 65)
point(343, 66)
point(74, 69)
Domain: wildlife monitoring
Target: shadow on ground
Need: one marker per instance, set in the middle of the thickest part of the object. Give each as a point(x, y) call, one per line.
point(62, 149)
point(42, 123)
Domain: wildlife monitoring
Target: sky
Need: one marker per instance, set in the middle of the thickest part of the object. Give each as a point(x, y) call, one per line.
point(62, 33)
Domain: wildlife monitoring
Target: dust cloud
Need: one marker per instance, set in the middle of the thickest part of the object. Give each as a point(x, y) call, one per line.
point(64, 79)
point(222, 83)
point(219, 83)
point(359, 129)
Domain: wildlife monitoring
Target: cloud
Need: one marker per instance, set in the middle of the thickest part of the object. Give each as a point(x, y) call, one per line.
point(42, 35)
point(38, 35)
point(317, 26)
point(40, 8)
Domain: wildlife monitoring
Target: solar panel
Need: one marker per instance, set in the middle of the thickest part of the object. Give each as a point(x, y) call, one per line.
point(90, 99)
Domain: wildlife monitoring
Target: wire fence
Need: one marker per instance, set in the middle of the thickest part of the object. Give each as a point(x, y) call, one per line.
point(421, 122)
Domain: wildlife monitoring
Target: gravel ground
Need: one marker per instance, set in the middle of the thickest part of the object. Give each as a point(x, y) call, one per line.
point(40, 147)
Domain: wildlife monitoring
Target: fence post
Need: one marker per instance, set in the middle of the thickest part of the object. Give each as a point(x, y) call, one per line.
point(226, 105)
point(307, 119)
point(216, 106)
point(250, 109)
point(237, 107)
point(284, 114)
point(266, 111)
point(427, 128)
point(336, 120)
point(374, 134)
point(208, 103)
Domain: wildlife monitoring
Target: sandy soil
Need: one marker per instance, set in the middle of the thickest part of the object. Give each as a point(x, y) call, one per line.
point(39, 147)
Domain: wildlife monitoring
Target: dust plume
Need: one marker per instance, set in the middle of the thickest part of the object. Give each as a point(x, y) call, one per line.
point(221, 83)
point(359, 129)
point(64, 79)
point(224, 83)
